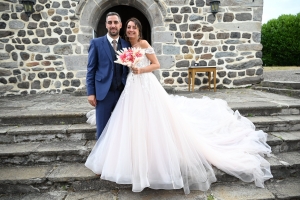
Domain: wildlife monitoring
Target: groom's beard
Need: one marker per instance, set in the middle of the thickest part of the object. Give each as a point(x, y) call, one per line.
point(113, 32)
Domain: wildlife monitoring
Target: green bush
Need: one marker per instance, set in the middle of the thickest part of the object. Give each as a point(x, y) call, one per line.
point(281, 41)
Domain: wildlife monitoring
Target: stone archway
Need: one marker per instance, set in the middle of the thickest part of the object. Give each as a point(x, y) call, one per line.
point(90, 13)
point(126, 12)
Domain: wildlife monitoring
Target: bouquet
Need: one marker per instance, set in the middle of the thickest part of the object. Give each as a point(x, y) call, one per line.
point(129, 56)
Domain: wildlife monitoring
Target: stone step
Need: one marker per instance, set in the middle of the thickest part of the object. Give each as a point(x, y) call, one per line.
point(263, 108)
point(31, 153)
point(281, 84)
point(44, 152)
point(40, 117)
point(279, 189)
point(36, 133)
point(76, 177)
point(282, 91)
point(37, 117)
point(284, 141)
point(276, 123)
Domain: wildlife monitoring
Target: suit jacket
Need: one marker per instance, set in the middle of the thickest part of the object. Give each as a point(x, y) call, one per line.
point(100, 67)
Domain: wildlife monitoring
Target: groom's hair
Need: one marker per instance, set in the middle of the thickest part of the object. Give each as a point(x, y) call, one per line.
point(113, 13)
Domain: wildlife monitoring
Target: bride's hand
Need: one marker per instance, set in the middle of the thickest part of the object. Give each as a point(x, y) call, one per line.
point(137, 70)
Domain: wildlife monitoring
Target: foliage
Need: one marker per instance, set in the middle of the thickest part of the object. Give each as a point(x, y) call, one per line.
point(210, 197)
point(281, 41)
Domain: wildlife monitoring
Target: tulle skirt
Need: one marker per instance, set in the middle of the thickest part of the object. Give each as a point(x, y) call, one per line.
point(164, 141)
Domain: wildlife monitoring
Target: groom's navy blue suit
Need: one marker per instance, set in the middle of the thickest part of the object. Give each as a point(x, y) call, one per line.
point(105, 79)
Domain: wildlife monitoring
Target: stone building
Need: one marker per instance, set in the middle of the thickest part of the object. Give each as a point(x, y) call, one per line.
point(47, 52)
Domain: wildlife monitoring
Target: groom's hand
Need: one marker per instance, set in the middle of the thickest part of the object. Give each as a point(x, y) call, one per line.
point(92, 100)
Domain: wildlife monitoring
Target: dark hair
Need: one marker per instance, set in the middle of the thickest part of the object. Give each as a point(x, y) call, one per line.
point(138, 24)
point(111, 14)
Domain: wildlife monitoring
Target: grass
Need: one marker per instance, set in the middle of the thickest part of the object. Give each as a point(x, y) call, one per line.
point(250, 115)
point(210, 197)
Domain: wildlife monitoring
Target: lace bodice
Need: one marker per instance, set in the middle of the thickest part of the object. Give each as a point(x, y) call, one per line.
point(142, 80)
point(145, 61)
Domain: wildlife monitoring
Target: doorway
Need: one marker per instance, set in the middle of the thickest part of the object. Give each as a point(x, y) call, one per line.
point(125, 12)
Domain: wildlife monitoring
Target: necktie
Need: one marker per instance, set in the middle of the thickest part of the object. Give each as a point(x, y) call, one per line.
point(114, 45)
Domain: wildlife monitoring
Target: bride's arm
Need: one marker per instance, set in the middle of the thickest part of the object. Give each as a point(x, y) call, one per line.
point(153, 60)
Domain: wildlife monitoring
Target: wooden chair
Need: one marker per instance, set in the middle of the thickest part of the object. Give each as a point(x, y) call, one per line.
point(194, 69)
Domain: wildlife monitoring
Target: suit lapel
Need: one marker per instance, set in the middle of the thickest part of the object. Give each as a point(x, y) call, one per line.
point(106, 47)
point(123, 43)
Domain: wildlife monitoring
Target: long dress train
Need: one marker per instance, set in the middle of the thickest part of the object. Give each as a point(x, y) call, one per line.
point(164, 141)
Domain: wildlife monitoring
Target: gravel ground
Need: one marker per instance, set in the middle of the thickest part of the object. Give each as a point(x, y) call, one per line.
point(282, 75)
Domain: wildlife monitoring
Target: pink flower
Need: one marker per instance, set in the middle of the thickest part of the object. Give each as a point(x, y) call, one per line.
point(130, 56)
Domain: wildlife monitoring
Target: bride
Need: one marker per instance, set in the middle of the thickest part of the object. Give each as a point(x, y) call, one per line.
point(162, 141)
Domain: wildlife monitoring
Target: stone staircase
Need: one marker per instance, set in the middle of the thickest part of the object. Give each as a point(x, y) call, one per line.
point(287, 88)
point(42, 157)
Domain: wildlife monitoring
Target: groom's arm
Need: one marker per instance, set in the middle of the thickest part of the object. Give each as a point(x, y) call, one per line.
point(91, 69)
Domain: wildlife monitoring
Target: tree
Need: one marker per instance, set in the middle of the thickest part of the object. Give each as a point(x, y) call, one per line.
point(281, 41)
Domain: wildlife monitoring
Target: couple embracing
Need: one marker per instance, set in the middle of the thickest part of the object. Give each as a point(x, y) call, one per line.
point(148, 138)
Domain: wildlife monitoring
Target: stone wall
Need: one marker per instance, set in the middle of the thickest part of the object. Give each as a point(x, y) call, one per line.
point(32, 49)
point(48, 51)
point(230, 40)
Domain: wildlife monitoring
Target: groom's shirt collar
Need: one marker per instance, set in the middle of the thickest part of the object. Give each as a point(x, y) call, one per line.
point(110, 39)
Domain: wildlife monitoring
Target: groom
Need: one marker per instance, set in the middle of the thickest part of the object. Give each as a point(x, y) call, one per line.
point(105, 79)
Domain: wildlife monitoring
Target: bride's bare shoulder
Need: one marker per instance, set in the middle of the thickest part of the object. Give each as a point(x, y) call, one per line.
point(144, 44)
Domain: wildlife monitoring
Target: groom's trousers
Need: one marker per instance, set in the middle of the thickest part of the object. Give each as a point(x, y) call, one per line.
point(104, 109)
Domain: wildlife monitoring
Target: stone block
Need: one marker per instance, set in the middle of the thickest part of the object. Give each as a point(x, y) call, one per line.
point(71, 172)
point(157, 48)
point(241, 191)
point(4, 56)
point(249, 47)
point(15, 189)
point(155, 13)
point(225, 54)
point(183, 63)
point(14, 24)
point(9, 65)
point(166, 62)
point(38, 49)
point(4, 6)
point(257, 14)
point(160, 194)
point(243, 3)
point(63, 49)
point(243, 16)
point(247, 80)
point(171, 50)
point(228, 17)
point(84, 38)
point(249, 26)
point(177, 2)
point(285, 189)
point(164, 36)
point(29, 175)
point(209, 43)
point(245, 65)
point(92, 195)
point(78, 62)
point(62, 12)
point(256, 37)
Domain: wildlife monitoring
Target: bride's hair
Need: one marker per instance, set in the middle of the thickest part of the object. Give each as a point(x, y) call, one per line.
point(139, 26)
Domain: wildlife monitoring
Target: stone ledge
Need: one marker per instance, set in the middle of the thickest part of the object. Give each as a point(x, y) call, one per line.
point(281, 164)
point(274, 189)
point(285, 189)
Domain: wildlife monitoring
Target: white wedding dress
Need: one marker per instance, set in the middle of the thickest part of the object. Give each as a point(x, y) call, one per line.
point(163, 141)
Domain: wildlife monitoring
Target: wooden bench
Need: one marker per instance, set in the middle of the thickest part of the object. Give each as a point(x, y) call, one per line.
point(194, 69)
